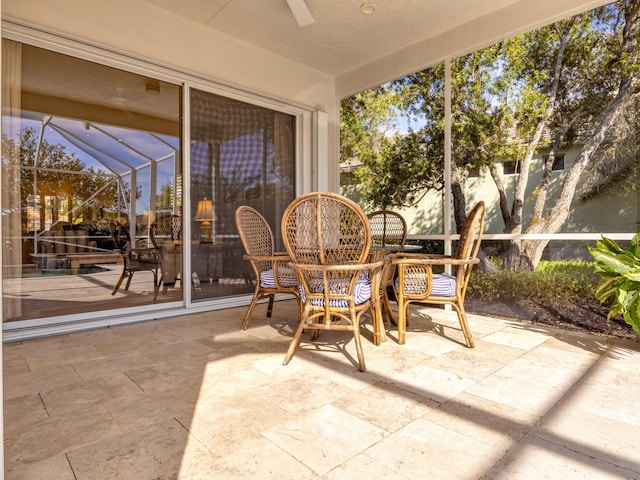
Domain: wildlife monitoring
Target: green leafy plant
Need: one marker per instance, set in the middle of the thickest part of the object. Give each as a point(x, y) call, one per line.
point(619, 270)
point(552, 280)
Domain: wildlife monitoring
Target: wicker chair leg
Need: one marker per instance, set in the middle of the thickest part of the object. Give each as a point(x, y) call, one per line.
point(386, 314)
point(300, 306)
point(403, 314)
point(314, 334)
point(294, 343)
point(464, 325)
point(117, 287)
point(356, 337)
point(376, 321)
point(247, 316)
point(270, 307)
point(156, 285)
point(378, 313)
point(129, 278)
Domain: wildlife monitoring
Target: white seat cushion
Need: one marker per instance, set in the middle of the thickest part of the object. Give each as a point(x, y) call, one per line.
point(362, 292)
point(444, 285)
point(287, 278)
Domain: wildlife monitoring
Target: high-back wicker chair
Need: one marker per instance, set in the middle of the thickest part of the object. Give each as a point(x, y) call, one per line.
point(167, 229)
point(387, 228)
point(134, 259)
point(273, 275)
point(328, 238)
point(416, 281)
point(165, 234)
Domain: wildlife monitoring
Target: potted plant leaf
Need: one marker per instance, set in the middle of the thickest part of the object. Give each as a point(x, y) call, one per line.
point(619, 269)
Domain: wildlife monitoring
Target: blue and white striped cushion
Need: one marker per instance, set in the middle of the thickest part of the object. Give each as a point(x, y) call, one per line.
point(362, 292)
point(444, 285)
point(288, 280)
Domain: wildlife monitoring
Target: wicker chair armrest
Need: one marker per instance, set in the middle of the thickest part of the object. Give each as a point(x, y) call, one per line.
point(268, 258)
point(417, 259)
point(356, 267)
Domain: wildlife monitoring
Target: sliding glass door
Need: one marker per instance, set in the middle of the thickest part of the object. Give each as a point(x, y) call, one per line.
point(241, 154)
point(92, 195)
point(91, 159)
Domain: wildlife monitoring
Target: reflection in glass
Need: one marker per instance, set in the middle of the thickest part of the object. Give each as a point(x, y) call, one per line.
point(85, 148)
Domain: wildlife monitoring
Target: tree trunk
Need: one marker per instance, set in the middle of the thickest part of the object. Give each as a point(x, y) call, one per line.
point(542, 191)
point(515, 258)
point(486, 265)
point(459, 204)
point(627, 88)
point(512, 258)
point(502, 195)
point(534, 249)
point(459, 208)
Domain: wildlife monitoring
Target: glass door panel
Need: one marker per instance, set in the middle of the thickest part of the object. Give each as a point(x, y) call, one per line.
point(91, 161)
point(241, 154)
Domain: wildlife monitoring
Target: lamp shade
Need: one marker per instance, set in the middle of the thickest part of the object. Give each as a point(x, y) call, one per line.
point(149, 217)
point(205, 214)
point(206, 211)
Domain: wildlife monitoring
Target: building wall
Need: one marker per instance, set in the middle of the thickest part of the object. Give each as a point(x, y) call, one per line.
point(615, 211)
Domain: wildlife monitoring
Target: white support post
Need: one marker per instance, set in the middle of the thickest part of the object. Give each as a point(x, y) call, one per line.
point(320, 151)
point(447, 157)
point(132, 206)
point(447, 164)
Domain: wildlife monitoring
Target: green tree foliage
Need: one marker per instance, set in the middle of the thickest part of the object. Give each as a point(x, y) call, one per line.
point(364, 119)
point(574, 82)
point(401, 162)
point(48, 171)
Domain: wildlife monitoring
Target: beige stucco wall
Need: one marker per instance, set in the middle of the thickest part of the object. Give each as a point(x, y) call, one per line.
point(153, 34)
point(615, 211)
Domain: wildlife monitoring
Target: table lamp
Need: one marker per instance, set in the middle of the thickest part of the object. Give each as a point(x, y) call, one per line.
point(148, 218)
point(205, 214)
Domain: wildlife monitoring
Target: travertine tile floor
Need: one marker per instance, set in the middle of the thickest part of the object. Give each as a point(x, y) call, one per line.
point(195, 398)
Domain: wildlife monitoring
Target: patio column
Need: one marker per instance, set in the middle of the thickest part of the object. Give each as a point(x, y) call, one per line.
point(447, 158)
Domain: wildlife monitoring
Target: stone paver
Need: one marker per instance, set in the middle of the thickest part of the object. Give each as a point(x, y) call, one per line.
point(193, 397)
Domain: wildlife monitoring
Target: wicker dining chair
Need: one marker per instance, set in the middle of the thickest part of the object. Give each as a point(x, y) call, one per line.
point(387, 228)
point(273, 275)
point(416, 281)
point(134, 259)
point(165, 234)
point(328, 239)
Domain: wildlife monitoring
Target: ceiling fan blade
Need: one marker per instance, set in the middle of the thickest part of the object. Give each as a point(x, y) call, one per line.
point(301, 12)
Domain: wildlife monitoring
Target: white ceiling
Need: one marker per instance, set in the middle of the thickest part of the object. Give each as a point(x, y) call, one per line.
point(359, 50)
point(341, 38)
